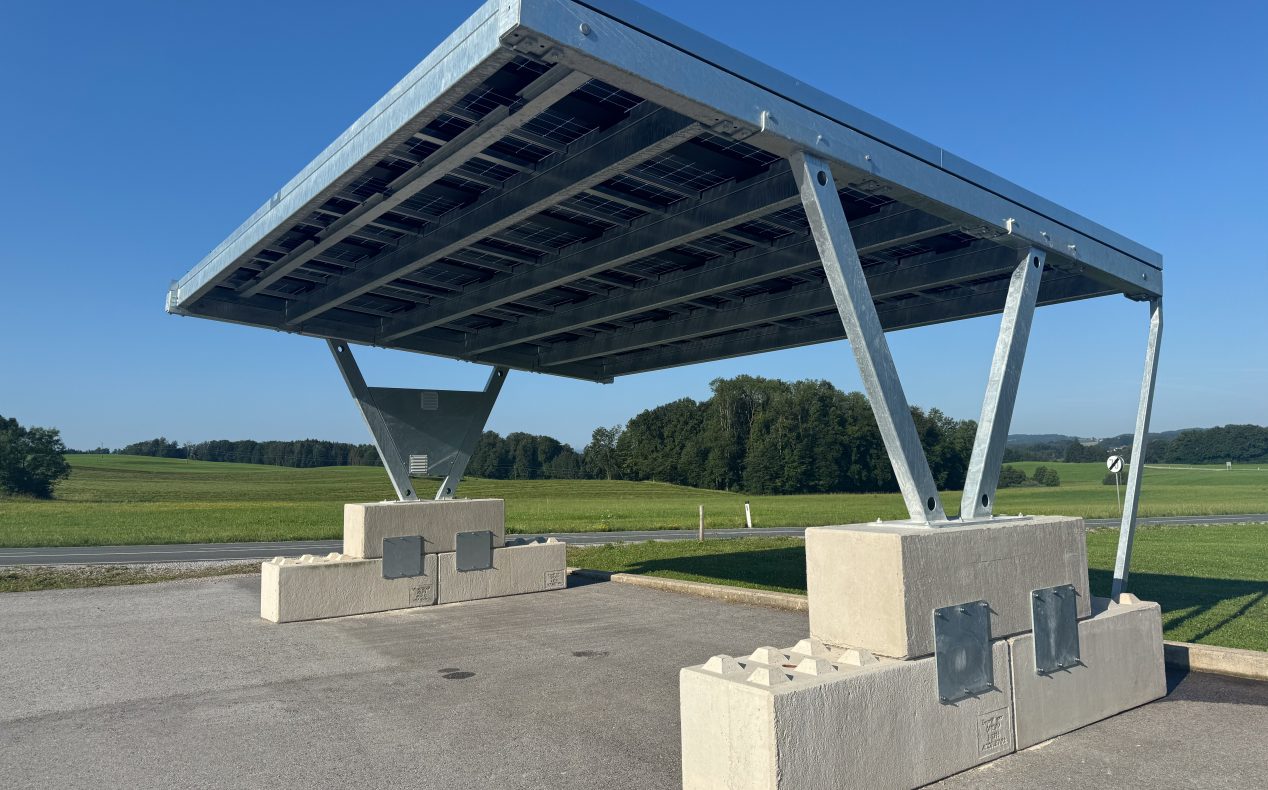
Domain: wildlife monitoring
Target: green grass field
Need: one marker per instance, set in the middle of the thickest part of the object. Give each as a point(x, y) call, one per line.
point(1212, 581)
point(118, 499)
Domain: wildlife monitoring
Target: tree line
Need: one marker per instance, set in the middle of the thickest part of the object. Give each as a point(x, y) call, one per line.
point(753, 434)
point(1240, 444)
point(303, 453)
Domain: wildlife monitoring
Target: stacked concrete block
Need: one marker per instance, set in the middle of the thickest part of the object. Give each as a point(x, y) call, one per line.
point(525, 568)
point(838, 717)
point(875, 585)
point(311, 588)
point(437, 521)
point(350, 583)
point(1120, 667)
point(811, 717)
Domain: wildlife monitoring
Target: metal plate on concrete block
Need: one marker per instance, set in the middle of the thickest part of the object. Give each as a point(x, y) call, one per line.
point(1054, 618)
point(962, 650)
point(474, 550)
point(403, 557)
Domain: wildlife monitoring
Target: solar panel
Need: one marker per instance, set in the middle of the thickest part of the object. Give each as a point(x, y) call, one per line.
point(591, 190)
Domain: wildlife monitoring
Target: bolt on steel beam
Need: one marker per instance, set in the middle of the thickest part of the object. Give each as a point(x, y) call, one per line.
point(863, 328)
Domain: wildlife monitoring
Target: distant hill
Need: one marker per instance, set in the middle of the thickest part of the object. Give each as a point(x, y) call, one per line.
point(1027, 439)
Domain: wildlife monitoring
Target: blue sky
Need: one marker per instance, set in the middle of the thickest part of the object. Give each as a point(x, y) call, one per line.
point(136, 135)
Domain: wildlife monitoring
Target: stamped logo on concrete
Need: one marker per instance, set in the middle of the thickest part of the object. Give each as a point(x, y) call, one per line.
point(554, 579)
point(420, 594)
point(993, 732)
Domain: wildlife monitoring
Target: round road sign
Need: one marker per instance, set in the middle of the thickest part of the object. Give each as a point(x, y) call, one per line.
point(1114, 463)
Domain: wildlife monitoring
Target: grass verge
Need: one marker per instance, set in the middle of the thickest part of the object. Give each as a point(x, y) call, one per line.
point(53, 577)
point(1211, 581)
point(129, 500)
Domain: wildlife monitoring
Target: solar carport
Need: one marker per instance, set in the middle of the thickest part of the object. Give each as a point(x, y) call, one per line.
point(590, 190)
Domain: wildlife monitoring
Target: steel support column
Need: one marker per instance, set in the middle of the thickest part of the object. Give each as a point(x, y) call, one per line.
point(854, 302)
point(1001, 387)
point(1127, 531)
point(443, 425)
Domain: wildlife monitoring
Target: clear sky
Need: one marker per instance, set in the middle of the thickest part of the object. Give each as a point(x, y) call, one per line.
point(136, 135)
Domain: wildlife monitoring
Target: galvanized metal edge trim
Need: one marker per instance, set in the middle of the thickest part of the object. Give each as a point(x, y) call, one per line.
point(613, 51)
point(474, 41)
point(702, 47)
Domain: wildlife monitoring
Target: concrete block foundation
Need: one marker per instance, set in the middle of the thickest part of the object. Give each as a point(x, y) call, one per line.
point(312, 588)
point(526, 568)
point(1121, 667)
point(810, 717)
point(874, 586)
point(436, 520)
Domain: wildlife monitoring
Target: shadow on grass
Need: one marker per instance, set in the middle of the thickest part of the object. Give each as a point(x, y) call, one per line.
point(1192, 595)
point(781, 569)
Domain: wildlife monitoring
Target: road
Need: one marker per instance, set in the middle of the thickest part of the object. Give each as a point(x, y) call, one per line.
point(208, 552)
point(182, 685)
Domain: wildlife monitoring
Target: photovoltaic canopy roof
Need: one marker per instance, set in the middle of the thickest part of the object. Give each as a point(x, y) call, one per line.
point(591, 190)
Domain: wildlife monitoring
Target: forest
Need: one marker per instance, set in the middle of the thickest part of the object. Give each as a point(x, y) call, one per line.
point(752, 434)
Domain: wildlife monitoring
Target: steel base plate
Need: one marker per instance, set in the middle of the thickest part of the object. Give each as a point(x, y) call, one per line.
point(402, 557)
point(1054, 618)
point(475, 550)
point(962, 650)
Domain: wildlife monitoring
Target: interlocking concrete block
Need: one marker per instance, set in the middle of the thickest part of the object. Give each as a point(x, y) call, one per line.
point(875, 586)
point(311, 588)
point(437, 520)
point(788, 720)
point(1121, 667)
point(526, 568)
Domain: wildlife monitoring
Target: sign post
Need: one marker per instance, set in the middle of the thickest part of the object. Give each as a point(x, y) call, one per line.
point(1115, 464)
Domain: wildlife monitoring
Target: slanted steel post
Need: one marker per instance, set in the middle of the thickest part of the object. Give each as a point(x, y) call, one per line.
point(1127, 530)
point(475, 428)
point(863, 329)
point(1001, 388)
point(394, 461)
point(443, 425)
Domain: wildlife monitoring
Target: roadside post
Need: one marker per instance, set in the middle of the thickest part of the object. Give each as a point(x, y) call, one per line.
point(701, 531)
point(1115, 464)
point(748, 515)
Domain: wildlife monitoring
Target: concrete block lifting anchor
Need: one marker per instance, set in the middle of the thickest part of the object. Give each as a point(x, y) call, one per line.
point(441, 426)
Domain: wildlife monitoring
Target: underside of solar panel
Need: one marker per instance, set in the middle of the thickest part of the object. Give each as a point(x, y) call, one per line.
point(591, 190)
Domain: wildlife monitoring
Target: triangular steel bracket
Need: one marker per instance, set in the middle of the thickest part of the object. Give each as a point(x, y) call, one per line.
point(443, 425)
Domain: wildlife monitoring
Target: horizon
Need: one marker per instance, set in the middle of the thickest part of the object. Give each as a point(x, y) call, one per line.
point(101, 362)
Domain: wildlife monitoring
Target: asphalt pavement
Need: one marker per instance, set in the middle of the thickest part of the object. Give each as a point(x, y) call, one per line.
point(181, 684)
point(196, 552)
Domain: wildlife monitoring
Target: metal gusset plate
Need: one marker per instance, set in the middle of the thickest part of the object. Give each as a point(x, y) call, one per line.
point(475, 550)
point(1054, 618)
point(962, 650)
point(402, 557)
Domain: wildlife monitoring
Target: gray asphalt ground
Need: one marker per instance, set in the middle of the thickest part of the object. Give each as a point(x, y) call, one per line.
point(182, 685)
point(205, 552)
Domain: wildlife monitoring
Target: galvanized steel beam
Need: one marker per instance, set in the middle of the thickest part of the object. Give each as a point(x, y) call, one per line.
point(394, 460)
point(780, 336)
point(539, 95)
point(884, 389)
point(982, 478)
point(1127, 530)
point(893, 225)
point(715, 209)
point(939, 270)
point(591, 160)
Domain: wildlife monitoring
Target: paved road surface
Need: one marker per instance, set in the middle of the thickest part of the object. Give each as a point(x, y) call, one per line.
point(182, 685)
point(194, 552)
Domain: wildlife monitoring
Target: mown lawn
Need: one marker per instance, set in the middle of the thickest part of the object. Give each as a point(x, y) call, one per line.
point(1212, 581)
point(133, 500)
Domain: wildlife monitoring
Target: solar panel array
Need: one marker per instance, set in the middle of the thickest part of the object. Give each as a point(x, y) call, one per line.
point(542, 219)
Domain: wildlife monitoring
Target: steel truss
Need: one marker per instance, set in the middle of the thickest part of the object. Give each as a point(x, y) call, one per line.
point(443, 425)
